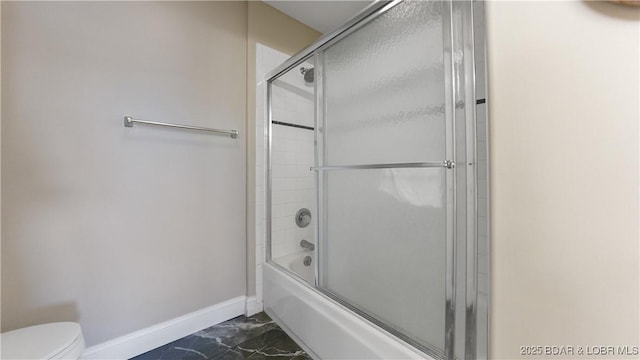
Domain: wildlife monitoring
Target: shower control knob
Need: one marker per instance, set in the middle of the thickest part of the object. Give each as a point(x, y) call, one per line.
point(303, 217)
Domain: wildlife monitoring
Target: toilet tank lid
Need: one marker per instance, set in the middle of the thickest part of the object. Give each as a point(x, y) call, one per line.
point(40, 341)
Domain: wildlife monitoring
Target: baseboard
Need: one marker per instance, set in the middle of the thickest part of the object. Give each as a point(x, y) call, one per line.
point(141, 341)
point(253, 306)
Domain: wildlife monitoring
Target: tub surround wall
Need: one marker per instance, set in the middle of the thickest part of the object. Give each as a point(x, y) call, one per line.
point(292, 186)
point(266, 59)
point(292, 156)
point(106, 225)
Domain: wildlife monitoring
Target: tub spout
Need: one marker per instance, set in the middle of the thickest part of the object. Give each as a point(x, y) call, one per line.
point(307, 245)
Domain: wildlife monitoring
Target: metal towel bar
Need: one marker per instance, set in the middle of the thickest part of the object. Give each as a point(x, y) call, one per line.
point(129, 121)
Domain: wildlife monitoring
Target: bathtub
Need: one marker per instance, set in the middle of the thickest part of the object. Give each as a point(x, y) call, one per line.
point(295, 264)
point(323, 327)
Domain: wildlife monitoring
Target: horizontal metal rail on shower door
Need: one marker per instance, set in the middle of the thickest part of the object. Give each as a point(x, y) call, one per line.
point(129, 121)
point(428, 164)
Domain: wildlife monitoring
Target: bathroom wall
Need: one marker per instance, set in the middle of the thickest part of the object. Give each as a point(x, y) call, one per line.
point(277, 31)
point(121, 228)
point(564, 113)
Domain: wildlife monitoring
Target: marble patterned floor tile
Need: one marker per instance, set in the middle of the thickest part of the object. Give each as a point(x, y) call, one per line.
point(255, 337)
point(274, 344)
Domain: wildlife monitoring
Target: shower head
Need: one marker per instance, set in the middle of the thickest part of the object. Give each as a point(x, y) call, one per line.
point(308, 74)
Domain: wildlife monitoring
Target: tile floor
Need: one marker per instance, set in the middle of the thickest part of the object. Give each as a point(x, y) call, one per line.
point(255, 337)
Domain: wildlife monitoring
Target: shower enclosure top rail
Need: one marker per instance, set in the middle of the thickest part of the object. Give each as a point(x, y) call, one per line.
point(129, 121)
point(428, 164)
point(378, 6)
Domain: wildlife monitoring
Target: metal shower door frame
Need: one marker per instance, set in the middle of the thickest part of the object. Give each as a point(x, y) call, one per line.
point(458, 47)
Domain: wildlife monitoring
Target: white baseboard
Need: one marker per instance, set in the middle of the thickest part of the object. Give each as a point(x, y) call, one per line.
point(253, 306)
point(141, 341)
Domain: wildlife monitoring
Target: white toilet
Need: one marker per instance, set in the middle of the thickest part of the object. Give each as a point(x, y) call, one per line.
point(62, 340)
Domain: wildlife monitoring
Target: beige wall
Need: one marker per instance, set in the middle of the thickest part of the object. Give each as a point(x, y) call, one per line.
point(154, 218)
point(121, 228)
point(564, 81)
point(276, 30)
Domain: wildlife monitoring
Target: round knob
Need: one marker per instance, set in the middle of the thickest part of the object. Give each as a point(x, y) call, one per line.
point(303, 217)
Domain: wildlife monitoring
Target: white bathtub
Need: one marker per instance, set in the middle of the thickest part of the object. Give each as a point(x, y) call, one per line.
point(324, 328)
point(295, 263)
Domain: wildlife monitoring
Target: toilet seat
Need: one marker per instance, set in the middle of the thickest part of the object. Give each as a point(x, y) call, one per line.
point(62, 340)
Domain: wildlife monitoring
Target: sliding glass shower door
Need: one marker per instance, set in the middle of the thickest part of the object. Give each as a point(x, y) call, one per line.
point(400, 211)
point(385, 194)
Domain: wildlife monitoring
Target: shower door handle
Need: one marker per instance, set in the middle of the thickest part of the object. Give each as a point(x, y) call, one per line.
point(445, 164)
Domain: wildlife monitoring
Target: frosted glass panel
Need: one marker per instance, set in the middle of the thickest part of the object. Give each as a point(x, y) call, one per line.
point(384, 251)
point(384, 89)
point(383, 231)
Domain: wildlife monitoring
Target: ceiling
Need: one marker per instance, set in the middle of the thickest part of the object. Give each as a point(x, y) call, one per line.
point(323, 16)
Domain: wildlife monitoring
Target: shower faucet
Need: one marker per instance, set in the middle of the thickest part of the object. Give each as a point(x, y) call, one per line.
point(303, 217)
point(307, 245)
